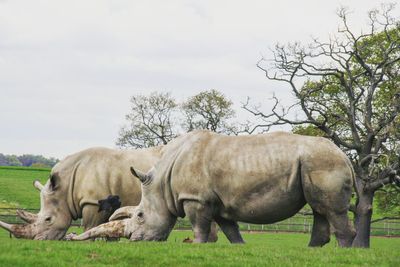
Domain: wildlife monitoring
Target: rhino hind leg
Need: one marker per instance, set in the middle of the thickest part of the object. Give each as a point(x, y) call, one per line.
point(320, 234)
point(230, 229)
point(200, 217)
point(329, 193)
point(343, 230)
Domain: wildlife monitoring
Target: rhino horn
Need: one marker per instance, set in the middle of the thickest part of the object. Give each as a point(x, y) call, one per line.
point(6, 226)
point(143, 177)
point(111, 229)
point(27, 216)
point(19, 231)
point(38, 185)
point(123, 213)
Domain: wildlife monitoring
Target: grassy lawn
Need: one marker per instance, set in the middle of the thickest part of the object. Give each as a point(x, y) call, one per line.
point(16, 186)
point(267, 249)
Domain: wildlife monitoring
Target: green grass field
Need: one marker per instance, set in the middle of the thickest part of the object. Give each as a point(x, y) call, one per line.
point(16, 186)
point(261, 249)
point(265, 249)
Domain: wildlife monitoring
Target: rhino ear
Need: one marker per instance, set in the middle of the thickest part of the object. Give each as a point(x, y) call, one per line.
point(101, 201)
point(143, 177)
point(54, 182)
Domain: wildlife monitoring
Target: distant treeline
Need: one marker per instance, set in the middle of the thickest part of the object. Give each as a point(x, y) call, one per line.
point(27, 160)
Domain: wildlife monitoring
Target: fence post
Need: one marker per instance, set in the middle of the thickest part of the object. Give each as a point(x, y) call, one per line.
point(387, 228)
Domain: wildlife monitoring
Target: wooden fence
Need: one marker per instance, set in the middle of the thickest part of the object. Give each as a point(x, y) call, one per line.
point(298, 223)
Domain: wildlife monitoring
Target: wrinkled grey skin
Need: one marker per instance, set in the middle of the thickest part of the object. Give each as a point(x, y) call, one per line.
point(75, 186)
point(256, 179)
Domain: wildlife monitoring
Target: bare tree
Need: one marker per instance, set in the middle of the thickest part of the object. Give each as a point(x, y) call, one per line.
point(347, 88)
point(151, 121)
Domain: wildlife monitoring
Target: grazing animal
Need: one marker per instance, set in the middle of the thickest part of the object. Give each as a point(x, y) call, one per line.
point(75, 186)
point(255, 179)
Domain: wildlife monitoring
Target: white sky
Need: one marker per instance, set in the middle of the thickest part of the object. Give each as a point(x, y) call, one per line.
point(68, 68)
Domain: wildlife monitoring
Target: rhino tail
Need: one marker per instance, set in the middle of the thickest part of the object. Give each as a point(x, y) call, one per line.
point(352, 207)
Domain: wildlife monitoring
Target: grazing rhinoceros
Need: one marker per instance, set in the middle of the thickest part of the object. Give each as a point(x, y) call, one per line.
point(75, 187)
point(256, 179)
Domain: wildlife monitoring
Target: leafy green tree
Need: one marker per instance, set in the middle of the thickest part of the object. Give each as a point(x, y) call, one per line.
point(26, 160)
point(13, 160)
point(348, 90)
point(3, 160)
point(151, 121)
point(388, 201)
point(29, 160)
point(209, 110)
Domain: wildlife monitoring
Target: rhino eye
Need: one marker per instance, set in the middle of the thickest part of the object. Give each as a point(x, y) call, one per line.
point(48, 219)
point(140, 214)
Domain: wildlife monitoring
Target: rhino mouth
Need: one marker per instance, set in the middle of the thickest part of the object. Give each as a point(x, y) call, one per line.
point(135, 237)
point(51, 235)
point(140, 236)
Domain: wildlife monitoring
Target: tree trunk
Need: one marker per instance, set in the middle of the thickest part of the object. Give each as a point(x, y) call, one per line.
point(363, 217)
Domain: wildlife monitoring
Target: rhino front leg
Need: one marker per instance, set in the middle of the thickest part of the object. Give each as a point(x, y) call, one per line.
point(200, 217)
point(213, 236)
point(230, 229)
point(91, 217)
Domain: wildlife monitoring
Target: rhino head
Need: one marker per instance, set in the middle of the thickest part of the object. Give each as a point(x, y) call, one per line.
point(151, 220)
point(54, 216)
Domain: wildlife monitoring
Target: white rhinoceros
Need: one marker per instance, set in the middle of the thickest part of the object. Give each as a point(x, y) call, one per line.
point(256, 179)
point(75, 186)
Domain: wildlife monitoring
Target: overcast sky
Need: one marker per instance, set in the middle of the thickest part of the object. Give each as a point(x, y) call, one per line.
point(68, 68)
